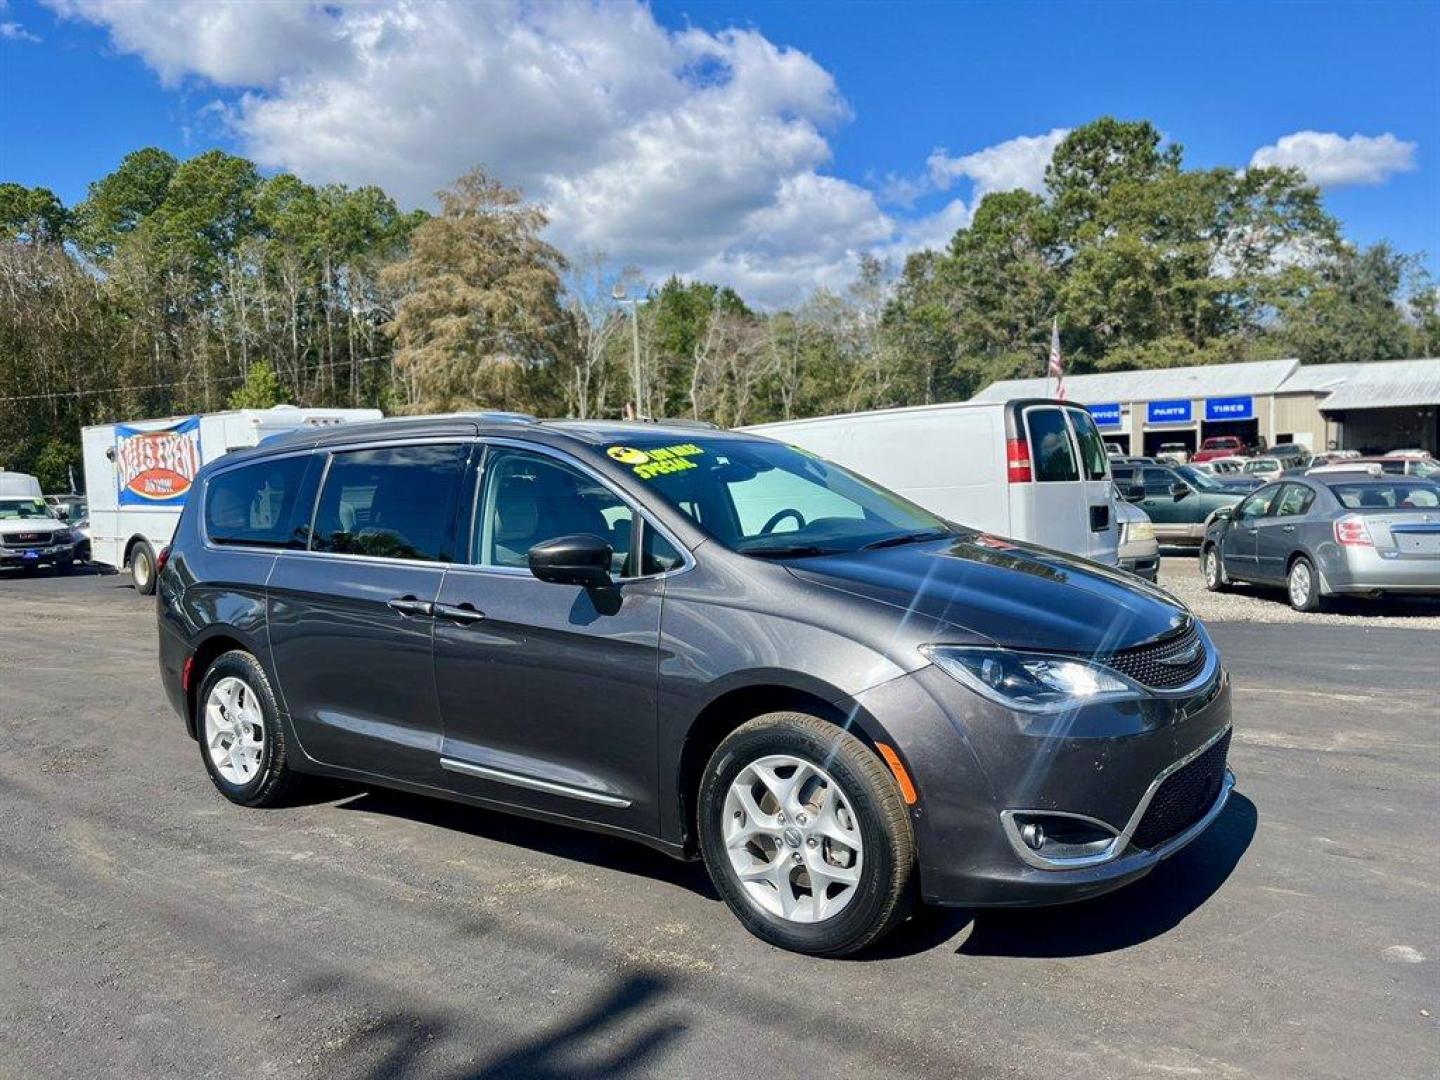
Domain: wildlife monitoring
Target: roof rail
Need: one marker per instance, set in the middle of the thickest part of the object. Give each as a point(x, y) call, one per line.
point(683, 421)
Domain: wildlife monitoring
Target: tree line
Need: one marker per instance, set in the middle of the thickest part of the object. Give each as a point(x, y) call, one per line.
point(182, 286)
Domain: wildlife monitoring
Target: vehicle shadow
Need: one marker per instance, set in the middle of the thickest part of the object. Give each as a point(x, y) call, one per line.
point(580, 845)
point(1152, 906)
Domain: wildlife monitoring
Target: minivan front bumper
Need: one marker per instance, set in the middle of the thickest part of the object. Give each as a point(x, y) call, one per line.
point(981, 771)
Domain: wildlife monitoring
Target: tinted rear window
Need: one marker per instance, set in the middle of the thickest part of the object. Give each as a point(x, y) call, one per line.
point(254, 504)
point(1400, 495)
point(1050, 448)
point(1092, 447)
point(395, 502)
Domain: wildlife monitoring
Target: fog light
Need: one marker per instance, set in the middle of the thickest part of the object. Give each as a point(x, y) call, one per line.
point(1033, 835)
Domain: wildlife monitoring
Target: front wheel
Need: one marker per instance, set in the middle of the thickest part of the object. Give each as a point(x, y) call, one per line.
point(142, 568)
point(805, 835)
point(1213, 567)
point(1303, 586)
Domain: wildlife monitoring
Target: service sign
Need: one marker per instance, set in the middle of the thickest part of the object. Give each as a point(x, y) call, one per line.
point(1168, 412)
point(1107, 415)
point(157, 467)
point(1229, 408)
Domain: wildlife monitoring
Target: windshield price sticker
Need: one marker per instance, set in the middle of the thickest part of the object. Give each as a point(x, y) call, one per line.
point(657, 461)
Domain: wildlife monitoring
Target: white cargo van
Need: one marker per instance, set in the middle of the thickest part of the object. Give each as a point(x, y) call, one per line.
point(137, 475)
point(1031, 469)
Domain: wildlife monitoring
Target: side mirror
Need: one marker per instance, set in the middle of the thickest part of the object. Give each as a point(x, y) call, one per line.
point(1179, 490)
point(1135, 492)
point(1224, 513)
point(579, 559)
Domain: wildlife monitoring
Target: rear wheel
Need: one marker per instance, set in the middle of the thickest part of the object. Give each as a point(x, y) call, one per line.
point(1303, 586)
point(142, 568)
point(806, 835)
point(241, 739)
point(1213, 567)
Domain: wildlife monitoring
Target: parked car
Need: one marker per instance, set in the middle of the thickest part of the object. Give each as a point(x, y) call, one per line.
point(1424, 468)
point(1032, 469)
point(710, 642)
point(1139, 550)
point(32, 536)
point(1411, 452)
point(1291, 455)
point(1175, 453)
point(1322, 536)
point(1220, 446)
point(1264, 468)
point(67, 507)
point(1177, 498)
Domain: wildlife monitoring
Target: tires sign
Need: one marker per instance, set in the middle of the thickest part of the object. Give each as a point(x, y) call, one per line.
point(157, 467)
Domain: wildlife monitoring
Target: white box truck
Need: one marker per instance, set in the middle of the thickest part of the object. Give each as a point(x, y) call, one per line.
point(138, 474)
point(1031, 469)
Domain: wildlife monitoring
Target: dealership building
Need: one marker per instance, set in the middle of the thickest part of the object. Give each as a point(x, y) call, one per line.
point(1368, 407)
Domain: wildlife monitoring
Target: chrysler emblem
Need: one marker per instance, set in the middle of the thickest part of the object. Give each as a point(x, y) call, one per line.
point(1182, 658)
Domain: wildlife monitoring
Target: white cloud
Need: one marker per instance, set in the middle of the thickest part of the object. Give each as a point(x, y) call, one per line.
point(1331, 160)
point(1015, 163)
point(10, 30)
point(682, 151)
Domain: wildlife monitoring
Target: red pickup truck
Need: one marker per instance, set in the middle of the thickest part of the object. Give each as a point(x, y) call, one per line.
point(1219, 446)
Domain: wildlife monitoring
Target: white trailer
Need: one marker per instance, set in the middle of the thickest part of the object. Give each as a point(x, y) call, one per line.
point(1032, 469)
point(137, 475)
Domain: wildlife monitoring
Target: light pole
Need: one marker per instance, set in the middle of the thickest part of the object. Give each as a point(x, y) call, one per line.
point(637, 376)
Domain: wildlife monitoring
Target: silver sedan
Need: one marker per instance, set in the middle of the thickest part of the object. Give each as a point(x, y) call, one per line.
point(1321, 536)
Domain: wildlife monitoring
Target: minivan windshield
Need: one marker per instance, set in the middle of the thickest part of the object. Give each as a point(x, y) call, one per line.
point(769, 500)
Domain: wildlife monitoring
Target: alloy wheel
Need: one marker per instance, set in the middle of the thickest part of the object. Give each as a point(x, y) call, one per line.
point(234, 730)
point(1300, 584)
point(793, 839)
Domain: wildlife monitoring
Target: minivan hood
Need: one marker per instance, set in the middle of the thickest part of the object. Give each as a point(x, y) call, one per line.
point(1010, 593)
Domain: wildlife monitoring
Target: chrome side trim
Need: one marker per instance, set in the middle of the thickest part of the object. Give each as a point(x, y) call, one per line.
point(1122, 838)
point(484, 772)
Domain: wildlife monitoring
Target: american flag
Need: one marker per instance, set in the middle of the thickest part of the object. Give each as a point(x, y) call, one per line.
point(1056, 370)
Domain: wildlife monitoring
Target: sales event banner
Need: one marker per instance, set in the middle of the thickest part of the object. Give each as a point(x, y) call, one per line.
point(157, 467)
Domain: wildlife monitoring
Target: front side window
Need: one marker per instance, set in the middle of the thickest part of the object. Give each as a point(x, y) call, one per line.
point(1051, 452)
point(1092, 446)
point(1158, 481)
point(253, 504)
point(1256, 505)
point(528, 498)
point(395, 502)
point(766, 499)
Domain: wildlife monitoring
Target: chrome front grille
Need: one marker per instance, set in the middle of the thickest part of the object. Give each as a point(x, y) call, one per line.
point(30, 539)
point(1166, 664)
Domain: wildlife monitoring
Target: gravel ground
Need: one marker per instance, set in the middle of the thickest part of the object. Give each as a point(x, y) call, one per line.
point(1180, 574)
point(150, 929)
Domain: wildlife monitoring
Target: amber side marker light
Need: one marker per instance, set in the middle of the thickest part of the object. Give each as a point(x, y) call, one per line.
point(907, 789)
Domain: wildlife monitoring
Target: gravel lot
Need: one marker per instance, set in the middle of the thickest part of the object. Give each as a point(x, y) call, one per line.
point(1180, 574)
point(151, 929)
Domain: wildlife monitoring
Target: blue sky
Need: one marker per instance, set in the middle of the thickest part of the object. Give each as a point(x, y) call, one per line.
point(782, 178)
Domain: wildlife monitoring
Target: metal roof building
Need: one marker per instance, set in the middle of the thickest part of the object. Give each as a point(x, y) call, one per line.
point(1370, 406)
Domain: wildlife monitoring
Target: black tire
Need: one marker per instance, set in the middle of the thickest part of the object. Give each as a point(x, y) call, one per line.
point(884, 895)
point(1212, 566)
point(1301, 571)
point(65, 566)
point(142, 568)
point(274, 782)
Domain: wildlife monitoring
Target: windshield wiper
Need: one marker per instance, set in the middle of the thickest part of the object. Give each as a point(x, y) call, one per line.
point(905, 538)
point(798, 551)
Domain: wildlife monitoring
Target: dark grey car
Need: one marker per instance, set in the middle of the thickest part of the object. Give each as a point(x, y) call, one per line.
point(1327, 535)
point(709, 642)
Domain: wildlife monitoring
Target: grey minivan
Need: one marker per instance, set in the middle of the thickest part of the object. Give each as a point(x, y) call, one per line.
point(709, 642)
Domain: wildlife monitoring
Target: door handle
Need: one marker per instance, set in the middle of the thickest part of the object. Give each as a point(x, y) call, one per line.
point(1287, 528)
point(411, 605)
point(465, 614)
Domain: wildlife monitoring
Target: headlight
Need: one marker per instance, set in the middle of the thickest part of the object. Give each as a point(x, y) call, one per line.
point(1141, 530)
point(1032, 682)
